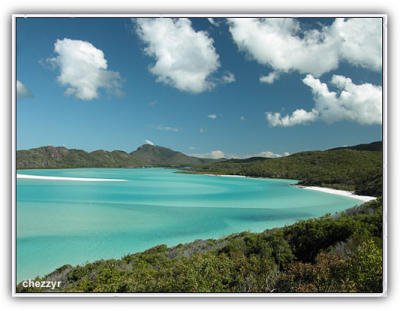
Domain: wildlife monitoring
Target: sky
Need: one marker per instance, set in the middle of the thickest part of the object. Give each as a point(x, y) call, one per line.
point(209, 87)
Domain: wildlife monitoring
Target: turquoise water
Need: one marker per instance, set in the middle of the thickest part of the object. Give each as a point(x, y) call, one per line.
point(72, 222)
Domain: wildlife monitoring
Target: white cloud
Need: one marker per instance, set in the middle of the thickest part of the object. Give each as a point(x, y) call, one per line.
point(361, 41)
point(22, 91)
point(282, 44)
point(299, 116)
point(265, 154)
point(202, 130)
point(184, 58)
point(270, 78)
point(216, 154)
point(213, 22)
point(192, 148)
point(83, 69)
point(167, 128)
point(242, 118)
point(360, 103)
point(270, 154)
point(149, 142)
point(212, 116)
point(229, 77)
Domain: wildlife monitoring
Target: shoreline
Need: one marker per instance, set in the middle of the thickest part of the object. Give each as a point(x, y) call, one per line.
point(343, 193)
point(23, 176)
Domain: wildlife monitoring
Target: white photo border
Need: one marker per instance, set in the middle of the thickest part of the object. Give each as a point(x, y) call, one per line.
point(200, 15)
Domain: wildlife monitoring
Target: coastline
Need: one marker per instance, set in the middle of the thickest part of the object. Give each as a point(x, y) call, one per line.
point(23, 176)
point(343, 193)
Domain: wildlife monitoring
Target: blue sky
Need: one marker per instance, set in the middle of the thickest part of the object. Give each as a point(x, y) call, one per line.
point(207, 87)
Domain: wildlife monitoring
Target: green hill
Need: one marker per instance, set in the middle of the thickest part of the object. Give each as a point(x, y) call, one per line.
point(146, 155)
point(161, 156)
point(61, 157)
point(375, 146)
point(343, 168)
point(357, 168)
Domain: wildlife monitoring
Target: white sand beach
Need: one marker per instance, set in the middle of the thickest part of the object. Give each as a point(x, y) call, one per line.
point(241, 176)
point(22, 176)
point(344, 193)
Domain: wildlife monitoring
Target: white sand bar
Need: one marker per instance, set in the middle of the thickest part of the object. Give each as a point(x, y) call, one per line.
point(65, 178)
point(241, 176)
point(344, 193)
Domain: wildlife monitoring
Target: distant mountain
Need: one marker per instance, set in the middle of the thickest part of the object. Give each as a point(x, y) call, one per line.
point(375, 146)
point(161, 156)
point(356, 168)
point(146, 155)
point(61, 157)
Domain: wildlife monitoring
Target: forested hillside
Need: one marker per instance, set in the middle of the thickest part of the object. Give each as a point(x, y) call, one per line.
point(161, 156)
point(146, 155)
point(357, 168)
point(348, 169)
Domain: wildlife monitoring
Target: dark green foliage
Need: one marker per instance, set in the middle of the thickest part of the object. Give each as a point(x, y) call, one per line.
point(346, 169)
point(375, 146)
point(164, 157)
point(352, 168)
point(146, 155)
point(61, 157)
point(338, 253)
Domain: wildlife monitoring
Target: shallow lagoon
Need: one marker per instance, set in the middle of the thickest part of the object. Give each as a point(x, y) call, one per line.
point(72, 222)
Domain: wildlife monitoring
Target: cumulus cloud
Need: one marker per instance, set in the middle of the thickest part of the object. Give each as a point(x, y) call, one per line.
point(299, 116)
point(359, 103)
point(83, 69)
point(149, 142)
point(265, 154)
point(22, 91)
point(167, 128)
point(282, 44)
point(212, 116)
point(270, 154)
point(229, 77)
point(184, 58)
point(216, 154)
point(270, 78)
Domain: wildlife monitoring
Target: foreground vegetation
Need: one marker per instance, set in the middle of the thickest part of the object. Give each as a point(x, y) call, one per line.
point(340, 253)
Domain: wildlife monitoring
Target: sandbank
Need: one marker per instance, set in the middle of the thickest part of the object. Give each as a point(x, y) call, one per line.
point(22, 176)
point(343, 193)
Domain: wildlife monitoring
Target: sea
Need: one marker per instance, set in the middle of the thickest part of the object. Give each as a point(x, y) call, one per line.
point(74, 222)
